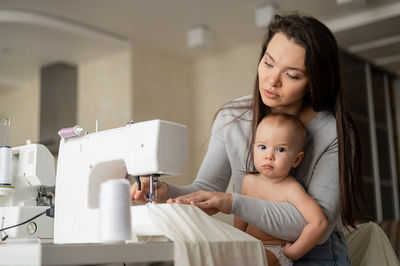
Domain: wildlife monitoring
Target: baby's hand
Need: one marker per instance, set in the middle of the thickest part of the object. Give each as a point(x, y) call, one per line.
point(287, 247)
point(287, 250)
point(290, 252)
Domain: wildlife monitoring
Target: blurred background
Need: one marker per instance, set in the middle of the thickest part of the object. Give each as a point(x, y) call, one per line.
point(74, 62)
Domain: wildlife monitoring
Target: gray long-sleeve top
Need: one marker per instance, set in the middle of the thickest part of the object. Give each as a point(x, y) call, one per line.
point(226, 158)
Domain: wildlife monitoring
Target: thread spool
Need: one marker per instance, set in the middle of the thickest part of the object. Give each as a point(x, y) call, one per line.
point(69, 132)
point(5, 166)
point(115, 211)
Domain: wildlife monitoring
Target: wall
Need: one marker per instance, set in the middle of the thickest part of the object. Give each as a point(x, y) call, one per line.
point(105, 92)
point(22, 105)
point(217, 80)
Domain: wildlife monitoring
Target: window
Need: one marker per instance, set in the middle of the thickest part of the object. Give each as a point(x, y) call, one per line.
point(367, 96)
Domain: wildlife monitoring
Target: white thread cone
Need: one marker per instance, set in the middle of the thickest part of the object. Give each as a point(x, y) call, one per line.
point(115, 211)
point(5, 165)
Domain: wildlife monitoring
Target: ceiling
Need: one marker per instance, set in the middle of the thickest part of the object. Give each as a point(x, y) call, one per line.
point(40, 32)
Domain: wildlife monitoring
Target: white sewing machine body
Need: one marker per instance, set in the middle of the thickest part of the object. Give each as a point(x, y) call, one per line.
point(139, 149)
point(33, 167)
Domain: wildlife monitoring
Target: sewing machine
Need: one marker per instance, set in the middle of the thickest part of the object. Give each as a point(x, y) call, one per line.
point(33, 171)
point(149, 148)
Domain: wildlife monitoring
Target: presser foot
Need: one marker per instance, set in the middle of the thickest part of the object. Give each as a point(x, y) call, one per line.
point(152, 194)
point(153, 188)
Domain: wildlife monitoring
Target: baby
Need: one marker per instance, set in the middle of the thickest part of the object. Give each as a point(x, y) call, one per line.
point(277, 148)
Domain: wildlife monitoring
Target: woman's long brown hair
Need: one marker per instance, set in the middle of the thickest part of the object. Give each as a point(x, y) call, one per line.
point(325, 94)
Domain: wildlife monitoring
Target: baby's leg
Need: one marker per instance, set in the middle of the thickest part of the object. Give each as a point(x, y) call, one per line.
point(275, 252)
point(271, 258)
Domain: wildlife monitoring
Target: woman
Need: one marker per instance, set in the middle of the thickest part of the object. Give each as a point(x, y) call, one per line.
point(299, 74)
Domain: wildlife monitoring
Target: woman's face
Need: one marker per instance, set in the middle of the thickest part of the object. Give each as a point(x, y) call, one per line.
point(282, 77)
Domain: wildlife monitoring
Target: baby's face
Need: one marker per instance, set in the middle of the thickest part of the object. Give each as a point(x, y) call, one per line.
point(275, 149)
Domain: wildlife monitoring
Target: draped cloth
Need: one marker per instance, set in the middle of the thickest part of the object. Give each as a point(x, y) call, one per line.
point(369, 246)
point(200, 239)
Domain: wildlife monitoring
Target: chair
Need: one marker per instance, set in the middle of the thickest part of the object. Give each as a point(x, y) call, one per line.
point(392, 230)
point(369, 246)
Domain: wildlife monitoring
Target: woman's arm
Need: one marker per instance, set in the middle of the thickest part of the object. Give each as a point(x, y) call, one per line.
point(238, 222)
point(315, 218)
point(280, 219)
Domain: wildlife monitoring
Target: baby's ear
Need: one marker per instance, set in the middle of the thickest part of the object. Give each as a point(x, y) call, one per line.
point(298, 159)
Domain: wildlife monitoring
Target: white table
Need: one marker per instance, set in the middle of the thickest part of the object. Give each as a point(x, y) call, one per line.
point(77, 254)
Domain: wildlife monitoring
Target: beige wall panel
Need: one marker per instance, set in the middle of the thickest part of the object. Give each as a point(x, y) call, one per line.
point(105, 92)
point(22, 105)
point(162, 85)
point(217, 80)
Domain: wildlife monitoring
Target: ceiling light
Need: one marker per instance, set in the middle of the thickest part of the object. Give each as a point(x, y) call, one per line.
point(198, 36)
point(263, 15)
point(342, 2)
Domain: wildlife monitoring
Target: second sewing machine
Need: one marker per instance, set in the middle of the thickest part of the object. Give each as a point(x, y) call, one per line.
point(26, 190)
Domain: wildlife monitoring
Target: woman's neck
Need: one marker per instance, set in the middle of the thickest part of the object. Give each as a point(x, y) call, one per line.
point(304, 112)
point(307, 114)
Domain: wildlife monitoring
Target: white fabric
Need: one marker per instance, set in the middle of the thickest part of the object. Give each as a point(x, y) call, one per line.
point(278, 252)
point(369, 246)
point(202, 240)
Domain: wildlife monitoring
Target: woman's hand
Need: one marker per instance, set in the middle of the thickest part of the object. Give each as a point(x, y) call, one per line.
point(210, 202)
point(140, 195)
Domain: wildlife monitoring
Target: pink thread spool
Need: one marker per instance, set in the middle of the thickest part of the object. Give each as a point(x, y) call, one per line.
point(69, 132)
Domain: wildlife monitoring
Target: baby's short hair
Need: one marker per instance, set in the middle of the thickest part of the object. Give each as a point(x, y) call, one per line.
point(299, 129)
